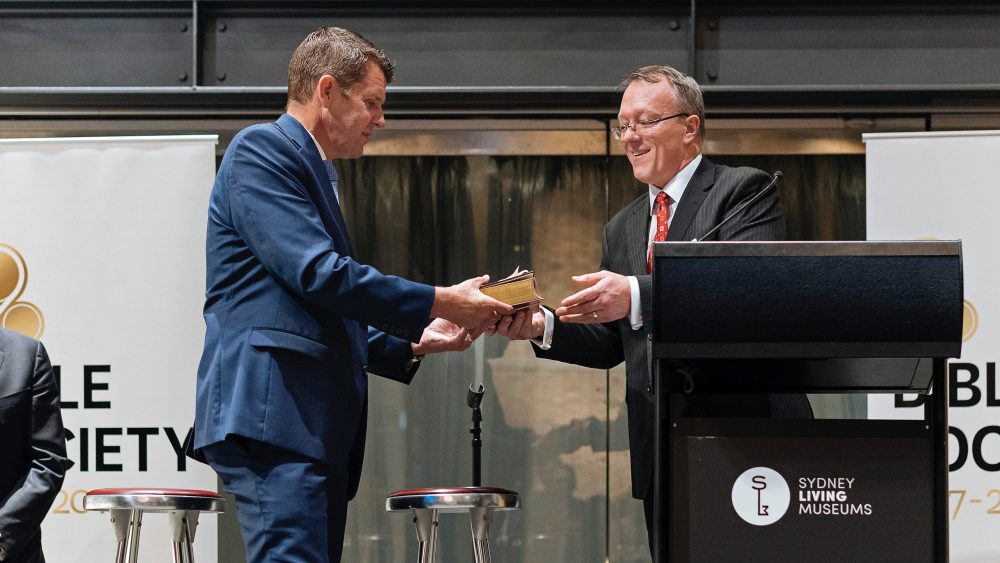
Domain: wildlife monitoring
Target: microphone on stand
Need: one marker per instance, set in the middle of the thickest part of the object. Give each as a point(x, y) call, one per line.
point(775, 180)
point(475, 396)
point(473, 400)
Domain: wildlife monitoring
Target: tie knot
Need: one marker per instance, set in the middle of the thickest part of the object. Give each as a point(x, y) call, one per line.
point(661, 200)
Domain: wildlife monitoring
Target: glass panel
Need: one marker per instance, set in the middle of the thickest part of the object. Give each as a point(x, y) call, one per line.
point(627, 542)
point(545, 431)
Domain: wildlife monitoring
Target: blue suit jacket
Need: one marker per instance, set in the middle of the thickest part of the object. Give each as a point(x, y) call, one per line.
point(32, 445)
point(288, 312)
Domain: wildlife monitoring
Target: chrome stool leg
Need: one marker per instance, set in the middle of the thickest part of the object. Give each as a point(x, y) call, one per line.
point(183, 524)
point(426, 521)
point(119, 520)
point(481, 519)
point(134, 527)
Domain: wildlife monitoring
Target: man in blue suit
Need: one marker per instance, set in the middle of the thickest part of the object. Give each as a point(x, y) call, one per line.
point(294, 322)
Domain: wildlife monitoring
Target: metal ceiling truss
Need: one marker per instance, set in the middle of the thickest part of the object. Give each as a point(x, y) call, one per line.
point(227, 59)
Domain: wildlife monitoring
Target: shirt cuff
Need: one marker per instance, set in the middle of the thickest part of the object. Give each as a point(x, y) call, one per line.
point(635, 310)
point(550, 325)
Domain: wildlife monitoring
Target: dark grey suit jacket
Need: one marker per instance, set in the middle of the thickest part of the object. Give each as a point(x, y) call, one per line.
point(32, 443)
point(712, 192)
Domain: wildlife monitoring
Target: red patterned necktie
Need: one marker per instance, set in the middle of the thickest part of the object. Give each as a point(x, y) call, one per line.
point(660, 234)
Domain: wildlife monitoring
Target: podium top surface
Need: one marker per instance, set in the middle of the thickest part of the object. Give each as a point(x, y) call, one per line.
point(809, 248)
point(881, 299)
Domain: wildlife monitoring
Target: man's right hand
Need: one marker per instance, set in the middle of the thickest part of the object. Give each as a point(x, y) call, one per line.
point(526, 324)
point(466, 306)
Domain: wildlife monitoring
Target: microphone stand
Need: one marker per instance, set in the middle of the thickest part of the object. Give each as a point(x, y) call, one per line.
point(473, 399)
point(775, 179)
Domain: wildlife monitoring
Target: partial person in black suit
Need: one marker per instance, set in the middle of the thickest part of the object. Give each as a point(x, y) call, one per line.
point(32, 446)
point(661, 128)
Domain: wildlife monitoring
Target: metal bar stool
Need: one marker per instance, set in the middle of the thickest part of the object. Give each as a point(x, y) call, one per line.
point(426, 504)
point(127, 506)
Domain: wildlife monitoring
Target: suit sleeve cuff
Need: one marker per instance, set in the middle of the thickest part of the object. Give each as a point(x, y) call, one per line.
point(545, 342)
point(635, 310)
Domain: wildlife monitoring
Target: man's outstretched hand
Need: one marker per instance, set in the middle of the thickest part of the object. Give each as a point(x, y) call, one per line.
point(608, 298)
point(443, 336)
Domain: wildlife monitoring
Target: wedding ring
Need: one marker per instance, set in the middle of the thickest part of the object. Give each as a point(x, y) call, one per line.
point(595, 314)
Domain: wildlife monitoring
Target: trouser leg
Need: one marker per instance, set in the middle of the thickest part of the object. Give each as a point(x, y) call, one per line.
point(290, 507)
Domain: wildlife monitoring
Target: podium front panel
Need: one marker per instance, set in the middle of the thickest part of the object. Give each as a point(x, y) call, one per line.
point(774, 491)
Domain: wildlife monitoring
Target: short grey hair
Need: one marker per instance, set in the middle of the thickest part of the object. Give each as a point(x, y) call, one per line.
point(341, 53)
point(686, 90)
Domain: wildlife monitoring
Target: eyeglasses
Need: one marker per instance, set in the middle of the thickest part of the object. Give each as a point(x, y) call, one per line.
point(641, 125)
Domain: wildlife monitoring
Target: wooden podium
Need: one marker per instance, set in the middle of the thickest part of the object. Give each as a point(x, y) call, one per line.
point(803, 317)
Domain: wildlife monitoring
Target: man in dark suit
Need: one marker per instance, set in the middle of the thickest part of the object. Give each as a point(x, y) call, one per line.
point(661, 127)
point(32, 446)
point(294, 322)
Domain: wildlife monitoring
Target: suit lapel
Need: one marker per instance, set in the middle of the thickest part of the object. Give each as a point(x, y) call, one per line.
point(334, 205)
point(694, 194)
point(637, 235)
point(328, 206)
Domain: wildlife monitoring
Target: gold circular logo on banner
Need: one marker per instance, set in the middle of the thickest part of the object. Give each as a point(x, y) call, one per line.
point(25, 318)
point(10, 274)
point(16, 315)
point(970, 321)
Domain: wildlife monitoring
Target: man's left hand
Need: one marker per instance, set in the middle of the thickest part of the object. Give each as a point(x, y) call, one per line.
point(443, 336)
point(608, 298)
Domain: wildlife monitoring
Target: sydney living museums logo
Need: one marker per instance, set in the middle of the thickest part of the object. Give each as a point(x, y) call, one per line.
point(761, 496)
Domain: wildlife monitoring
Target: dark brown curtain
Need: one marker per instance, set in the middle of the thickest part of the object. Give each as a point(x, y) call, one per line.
point(823, 196)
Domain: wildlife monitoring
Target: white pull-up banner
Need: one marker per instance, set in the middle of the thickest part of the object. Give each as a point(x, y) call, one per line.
point(102, 240)
point(946, 185)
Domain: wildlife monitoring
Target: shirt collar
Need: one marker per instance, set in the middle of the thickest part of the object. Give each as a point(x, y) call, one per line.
point(676, 186)
point(322, 154)
point(328, 164)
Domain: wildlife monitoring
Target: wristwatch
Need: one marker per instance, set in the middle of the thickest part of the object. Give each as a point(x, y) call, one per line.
point(412, 364)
